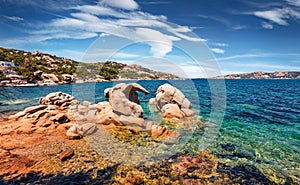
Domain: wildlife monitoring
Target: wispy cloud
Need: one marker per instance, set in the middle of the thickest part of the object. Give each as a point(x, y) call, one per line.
point(217, 50)
point(278, 16)
point(219, 44)
point(257, 55)
point(294, 2)
point(155, 2)
point(239, 27)
point(122, 4)
point(267, 25)
point(121, 18)
point(223, 21)
point(14, 18)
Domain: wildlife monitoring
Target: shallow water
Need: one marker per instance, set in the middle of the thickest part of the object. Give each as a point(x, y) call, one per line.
point(261, 125)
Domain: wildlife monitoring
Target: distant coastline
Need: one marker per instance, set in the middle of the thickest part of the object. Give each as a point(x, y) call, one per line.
point(22, 68)
point(263, 75)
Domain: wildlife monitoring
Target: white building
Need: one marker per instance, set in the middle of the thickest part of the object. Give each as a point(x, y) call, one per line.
point(6, 64)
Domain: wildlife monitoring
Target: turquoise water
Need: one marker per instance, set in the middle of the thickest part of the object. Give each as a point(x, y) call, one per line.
point(261, 125)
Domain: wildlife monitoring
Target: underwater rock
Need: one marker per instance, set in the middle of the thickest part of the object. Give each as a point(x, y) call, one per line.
point(133, 121)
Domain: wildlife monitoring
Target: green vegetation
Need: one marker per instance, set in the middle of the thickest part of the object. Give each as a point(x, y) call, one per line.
point(27, 64)
point(31, 65)
point(110, 70)
point(2, 76)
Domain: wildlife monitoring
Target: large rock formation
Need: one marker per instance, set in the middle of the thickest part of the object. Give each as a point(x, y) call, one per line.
point(58, 98)
point(172, 102)
point(123, 111)
point(124, 99)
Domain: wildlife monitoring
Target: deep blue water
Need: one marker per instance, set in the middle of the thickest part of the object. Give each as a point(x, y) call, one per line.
point(261, 124)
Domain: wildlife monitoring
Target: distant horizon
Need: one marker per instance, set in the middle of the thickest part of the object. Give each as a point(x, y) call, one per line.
point(143, 66)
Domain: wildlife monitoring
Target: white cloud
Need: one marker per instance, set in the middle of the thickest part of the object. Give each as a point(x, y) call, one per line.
point(14, 18)
point(267, 25)
point(217, 50)
point(160, 44)
point(276, 15)
point(239, 27)
point(294, 2)
point(100, 11)
point(219, 44)
point(112, 18)
point(257, 55)
point(122, 4)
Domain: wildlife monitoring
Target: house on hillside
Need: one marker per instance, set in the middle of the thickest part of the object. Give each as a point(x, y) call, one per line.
point(6, 64)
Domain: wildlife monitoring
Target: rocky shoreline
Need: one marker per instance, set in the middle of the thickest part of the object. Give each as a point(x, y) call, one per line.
point(59, 142)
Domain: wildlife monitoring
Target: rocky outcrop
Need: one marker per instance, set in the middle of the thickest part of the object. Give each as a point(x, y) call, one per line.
point(67, 79)
point(60, 99)
point(49, 78)
point(61, 110)
point(123, 99)
point(172, 102)
point(106, 92)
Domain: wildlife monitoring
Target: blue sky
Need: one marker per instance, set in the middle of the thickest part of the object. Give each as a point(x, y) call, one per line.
point(236, 36)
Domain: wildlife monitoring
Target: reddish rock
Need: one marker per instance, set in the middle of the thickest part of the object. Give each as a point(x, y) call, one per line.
point(157, 131)
point(67, 154)
point(4, 153)
point(17, 115)
point(60, 118)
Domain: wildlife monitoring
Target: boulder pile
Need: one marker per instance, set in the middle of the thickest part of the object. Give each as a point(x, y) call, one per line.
point(172, 102)
point(60, 99)
point(61, 110)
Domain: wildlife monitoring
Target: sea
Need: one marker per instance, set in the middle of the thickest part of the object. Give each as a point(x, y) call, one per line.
point(256, 122)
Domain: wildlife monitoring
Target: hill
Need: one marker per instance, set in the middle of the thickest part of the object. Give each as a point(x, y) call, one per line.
point(21, 68)
point(264, 75)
